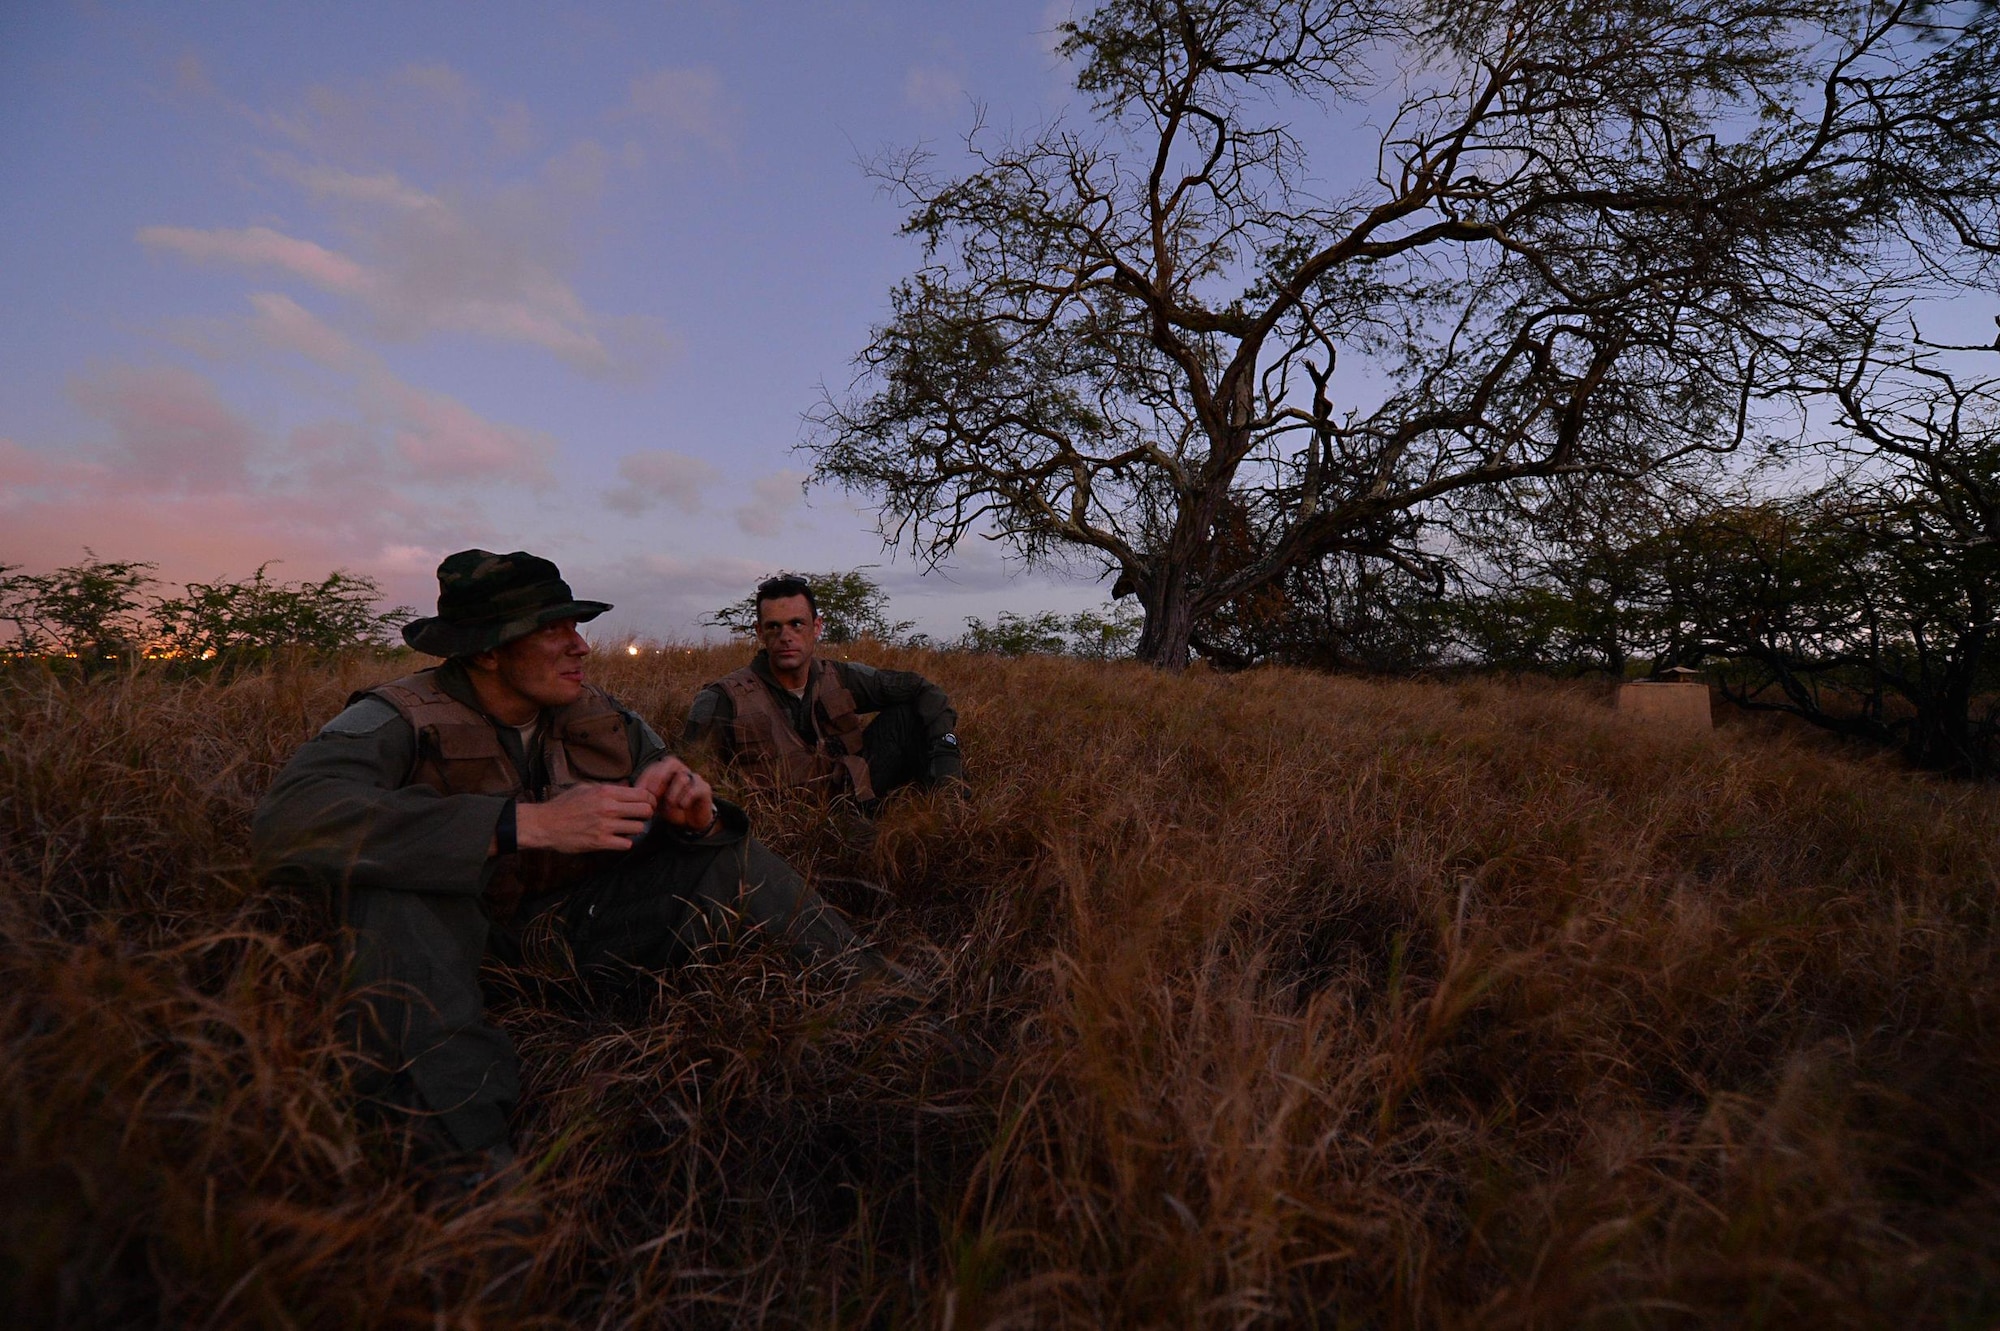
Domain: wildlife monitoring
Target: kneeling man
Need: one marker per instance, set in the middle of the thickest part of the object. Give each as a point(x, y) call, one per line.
point(497, 805)
point(791, 719)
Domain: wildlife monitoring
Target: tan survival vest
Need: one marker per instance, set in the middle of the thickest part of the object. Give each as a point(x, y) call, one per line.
point(763, 741)
point(459, 753)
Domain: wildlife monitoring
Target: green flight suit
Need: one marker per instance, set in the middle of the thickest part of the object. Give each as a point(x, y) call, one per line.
point(407, 870)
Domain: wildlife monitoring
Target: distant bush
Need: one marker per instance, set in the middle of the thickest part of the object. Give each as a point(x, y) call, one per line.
point(1089, 634)
point(102, 609)
point(92, 610)
point(257, 616)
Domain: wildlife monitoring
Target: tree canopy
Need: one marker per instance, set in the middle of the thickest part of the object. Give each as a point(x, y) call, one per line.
point(1178, 342)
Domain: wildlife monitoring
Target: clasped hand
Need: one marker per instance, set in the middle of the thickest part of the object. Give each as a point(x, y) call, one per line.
point(593, 817)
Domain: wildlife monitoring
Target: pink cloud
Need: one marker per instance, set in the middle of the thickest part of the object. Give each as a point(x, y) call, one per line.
point(659, 476)
point(441, 439)
point(260, 246)
point(357, 518)
point(25, 468)
point(201, 537)
point(474, 257)
point(281, 322)
point(169, 428)
point(431, 436)
point(183, 480)
point(435, 269)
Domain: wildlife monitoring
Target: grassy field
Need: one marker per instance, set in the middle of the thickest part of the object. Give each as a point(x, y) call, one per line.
point(1310, 1001)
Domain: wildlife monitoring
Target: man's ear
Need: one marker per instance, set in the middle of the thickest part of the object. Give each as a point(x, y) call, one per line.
point(485, 662)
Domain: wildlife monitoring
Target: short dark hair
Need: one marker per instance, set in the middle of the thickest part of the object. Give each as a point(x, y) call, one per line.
point(782, 587)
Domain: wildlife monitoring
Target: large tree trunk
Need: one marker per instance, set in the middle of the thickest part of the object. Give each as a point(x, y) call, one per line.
point(1169, 626)
point(1942, 738)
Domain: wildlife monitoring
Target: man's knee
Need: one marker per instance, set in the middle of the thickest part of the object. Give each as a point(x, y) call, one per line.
point(896, 746)
point(424, 944)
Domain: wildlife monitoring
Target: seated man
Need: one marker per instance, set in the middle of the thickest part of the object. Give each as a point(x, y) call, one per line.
point(497, 805)
point(791, 719)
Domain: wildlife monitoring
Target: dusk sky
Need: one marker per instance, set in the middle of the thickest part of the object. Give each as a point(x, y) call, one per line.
point(357, 285)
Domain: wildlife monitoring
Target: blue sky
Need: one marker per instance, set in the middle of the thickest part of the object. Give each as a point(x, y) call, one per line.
point(358, 285)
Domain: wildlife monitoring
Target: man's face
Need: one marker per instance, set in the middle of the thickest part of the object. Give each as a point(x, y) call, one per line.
point(543, 668)
point(787, 629)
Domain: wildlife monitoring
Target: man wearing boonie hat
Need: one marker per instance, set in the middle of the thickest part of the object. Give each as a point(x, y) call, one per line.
point(497, 805)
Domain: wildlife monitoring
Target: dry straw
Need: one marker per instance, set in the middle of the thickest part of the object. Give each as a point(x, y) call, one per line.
point(1275, 999)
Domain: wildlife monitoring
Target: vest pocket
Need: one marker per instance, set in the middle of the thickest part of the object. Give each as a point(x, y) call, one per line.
point(597, 748)
point(465, 760)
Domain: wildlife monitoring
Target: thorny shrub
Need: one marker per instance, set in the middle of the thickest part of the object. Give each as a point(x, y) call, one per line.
point(1278, 998)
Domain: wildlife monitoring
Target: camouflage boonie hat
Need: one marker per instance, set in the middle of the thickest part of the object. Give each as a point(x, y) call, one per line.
point(485, 600)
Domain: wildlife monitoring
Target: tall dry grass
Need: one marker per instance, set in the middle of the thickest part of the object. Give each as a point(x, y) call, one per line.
point(1309, 1001)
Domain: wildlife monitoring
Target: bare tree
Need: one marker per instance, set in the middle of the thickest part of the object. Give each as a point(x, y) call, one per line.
point(1589, 222)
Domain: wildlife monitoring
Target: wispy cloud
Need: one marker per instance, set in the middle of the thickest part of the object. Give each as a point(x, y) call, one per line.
point(935, 85)
point(415, 115)
point(481, 257)
point(168, 430)
point(682, 108)
point(441, 439)
point(772, 500)
point(436, 437)
point(180, 477)
point(260, 246)
point(660, 476)
point(176, 474)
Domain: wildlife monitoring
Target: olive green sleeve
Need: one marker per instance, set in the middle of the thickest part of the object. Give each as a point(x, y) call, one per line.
point(708, 717)
point(875, 689)
point(339, 814)
point(647, 746)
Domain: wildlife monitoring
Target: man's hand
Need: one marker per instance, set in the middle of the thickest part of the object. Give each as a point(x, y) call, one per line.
point(680, 797)
point(584, 818)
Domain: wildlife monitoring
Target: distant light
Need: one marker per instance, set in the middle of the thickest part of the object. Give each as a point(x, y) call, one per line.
point(208, 655)
point(632, 649)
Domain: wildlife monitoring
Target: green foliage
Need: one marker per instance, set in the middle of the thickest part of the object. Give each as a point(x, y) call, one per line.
point(251, 619)
point(102, 609)
point(1106, 636)
point(851, 605)
point(1015, 635)
point(93, 610)
point(1857, 607)
point(1089, 634)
